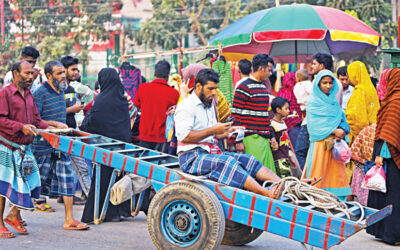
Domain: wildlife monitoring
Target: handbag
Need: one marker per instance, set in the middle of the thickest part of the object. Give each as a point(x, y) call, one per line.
point(341, 152)
point(169, 127)
point(375, 179)
point(369, 164)
point(169, 123)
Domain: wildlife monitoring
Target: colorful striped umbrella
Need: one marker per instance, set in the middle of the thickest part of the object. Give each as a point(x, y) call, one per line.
point(295, 32)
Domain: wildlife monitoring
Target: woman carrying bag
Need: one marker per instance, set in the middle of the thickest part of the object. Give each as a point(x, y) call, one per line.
point(326, 123)
point(387, 151)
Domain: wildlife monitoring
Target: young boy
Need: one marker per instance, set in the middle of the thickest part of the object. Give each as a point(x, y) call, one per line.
point(280, 107)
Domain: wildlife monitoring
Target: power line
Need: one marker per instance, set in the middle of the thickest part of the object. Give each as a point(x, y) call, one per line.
point(253, 2)
point(55, 6)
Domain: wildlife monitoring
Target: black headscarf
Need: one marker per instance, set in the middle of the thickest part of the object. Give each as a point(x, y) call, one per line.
point(109, 115)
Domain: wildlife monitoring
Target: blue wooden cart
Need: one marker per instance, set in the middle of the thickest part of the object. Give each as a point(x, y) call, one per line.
point(193, 213)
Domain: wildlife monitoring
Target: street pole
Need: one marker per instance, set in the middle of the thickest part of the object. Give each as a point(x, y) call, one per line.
point(398, 18)
point(278, 69)
point(395, 15)
point(2, 23)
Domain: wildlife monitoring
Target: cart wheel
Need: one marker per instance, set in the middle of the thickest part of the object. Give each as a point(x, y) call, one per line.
point(186, 215)
point(237, 234)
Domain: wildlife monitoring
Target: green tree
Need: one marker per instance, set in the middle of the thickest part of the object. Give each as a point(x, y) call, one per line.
point(54, 27)
point(174, 19)
point(375, 13)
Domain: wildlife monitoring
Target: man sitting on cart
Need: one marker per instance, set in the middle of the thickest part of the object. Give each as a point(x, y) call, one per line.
point(197, 131)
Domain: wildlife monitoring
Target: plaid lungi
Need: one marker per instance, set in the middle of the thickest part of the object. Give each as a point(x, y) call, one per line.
point(19, 182)
point(228, 168)
point(56, 175)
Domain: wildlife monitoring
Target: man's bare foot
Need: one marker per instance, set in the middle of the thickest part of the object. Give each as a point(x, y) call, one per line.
point(76, 225)
point(276, 191)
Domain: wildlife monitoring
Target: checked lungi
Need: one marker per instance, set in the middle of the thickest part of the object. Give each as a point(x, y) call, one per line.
point(228, 168)
point(19, 181)
point(56, 175)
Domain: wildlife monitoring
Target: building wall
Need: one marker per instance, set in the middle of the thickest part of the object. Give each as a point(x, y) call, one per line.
point(132, 9)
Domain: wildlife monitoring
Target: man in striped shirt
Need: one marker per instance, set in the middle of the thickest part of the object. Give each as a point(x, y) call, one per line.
point(250, 110)
point(56, 173)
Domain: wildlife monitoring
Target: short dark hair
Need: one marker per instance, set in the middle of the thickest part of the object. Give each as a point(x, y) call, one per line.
point(68, 61)
point(245, 66)
point(96, 85)
point(206, 75)
point(271, 60)
point(325, 59)
point(30, 51)
point(48, 68)
point(278, 102)
point(342, 71)
point(162, 69)
point(260, 60)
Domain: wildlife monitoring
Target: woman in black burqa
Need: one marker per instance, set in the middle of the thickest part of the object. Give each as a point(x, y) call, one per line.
point(109, 117)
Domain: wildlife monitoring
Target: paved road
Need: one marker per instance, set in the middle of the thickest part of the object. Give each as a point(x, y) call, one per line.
point(46, 233)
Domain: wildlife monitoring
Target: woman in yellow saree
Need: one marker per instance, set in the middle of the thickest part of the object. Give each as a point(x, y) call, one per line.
point(363, 105)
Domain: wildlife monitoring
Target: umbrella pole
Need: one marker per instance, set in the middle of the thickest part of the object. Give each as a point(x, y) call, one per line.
point(295, 53)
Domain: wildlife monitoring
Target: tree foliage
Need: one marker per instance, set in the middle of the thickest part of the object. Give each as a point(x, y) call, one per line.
point(58, 27)
point(174, 19)
point(375, 13)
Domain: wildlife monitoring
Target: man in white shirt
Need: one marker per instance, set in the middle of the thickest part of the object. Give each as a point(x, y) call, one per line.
point(29, 54)
point(302, 91)
point(197, 131)
point(347, 88)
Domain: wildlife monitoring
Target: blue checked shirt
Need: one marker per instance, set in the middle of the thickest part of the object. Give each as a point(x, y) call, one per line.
point(51, 107)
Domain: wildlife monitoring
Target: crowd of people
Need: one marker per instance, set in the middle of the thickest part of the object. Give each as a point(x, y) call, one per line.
point(235, 133)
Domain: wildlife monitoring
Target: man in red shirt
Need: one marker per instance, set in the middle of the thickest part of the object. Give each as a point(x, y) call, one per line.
point(19, 173)
point(154, 99)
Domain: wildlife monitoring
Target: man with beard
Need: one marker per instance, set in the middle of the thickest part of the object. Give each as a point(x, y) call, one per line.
point(154, 99)
point(250, 110)
point(197, 131)
point(56, 172)
point(19, 181)
point(74, 106)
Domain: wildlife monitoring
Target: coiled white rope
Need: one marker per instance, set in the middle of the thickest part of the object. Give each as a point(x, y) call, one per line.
point(301, 193)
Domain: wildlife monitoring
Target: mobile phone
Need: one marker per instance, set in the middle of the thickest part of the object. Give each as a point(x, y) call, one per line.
point(229, 119)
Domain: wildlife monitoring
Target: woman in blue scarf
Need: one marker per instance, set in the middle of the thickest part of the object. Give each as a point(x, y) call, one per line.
point(326, 122)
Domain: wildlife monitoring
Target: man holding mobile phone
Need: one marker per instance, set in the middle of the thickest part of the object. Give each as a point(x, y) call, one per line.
point(74, 106)
point(197, 131)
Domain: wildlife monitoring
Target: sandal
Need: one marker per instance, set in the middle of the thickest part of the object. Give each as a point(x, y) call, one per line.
point(43, 207)
point(21, 221)
point(5, 234)
point(16, 225)
point(76, 225)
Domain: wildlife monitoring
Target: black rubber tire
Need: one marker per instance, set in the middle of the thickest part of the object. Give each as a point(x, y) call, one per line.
point(237, 234)
point(207, 205)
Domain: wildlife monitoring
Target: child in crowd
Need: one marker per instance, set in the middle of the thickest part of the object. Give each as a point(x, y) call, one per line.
point(283, 161)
